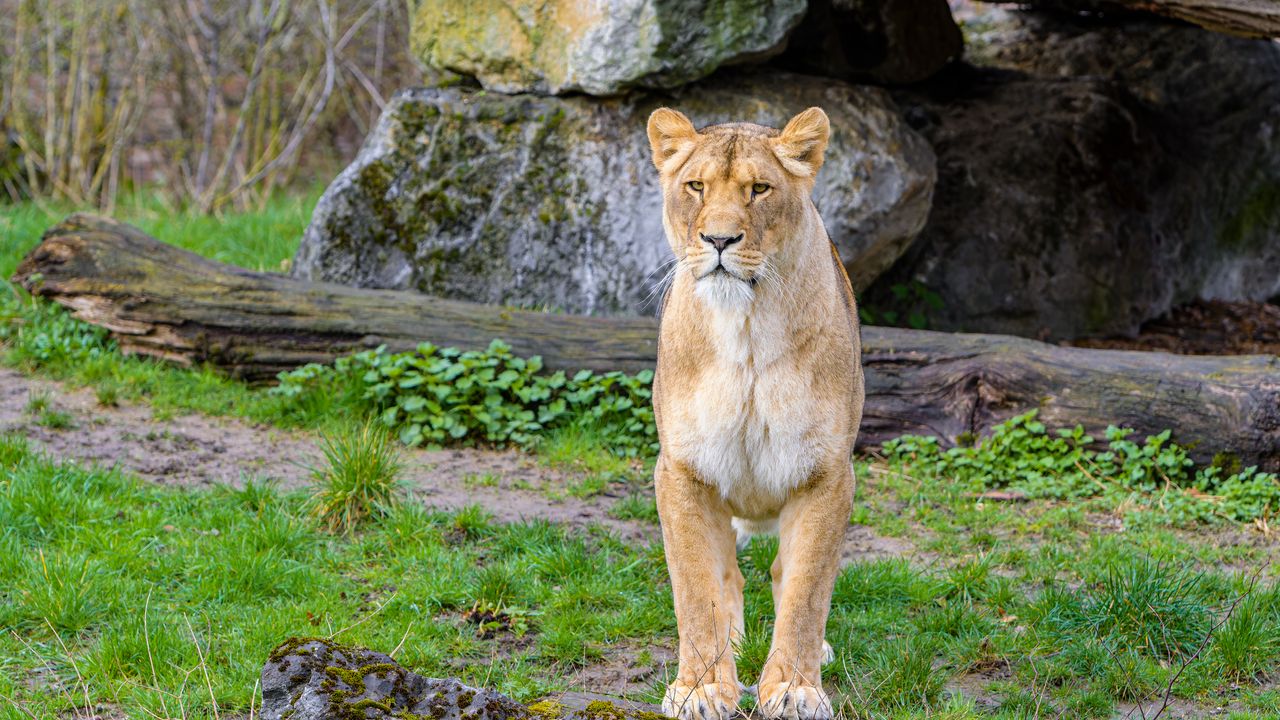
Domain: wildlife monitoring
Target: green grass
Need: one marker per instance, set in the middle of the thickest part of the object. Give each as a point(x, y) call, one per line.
point(133, 578)
point(264, 239)
point(1065, 605)
point(120, 587)
point(38, 337)
point(40, 407)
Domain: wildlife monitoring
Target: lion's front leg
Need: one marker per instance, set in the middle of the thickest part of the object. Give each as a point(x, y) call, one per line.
point(699, 544)
point(812, 530)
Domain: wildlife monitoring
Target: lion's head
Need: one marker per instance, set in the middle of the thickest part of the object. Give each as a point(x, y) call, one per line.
point(736, 197)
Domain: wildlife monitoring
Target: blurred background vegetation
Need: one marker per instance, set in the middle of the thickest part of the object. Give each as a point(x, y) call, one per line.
point(210, 104)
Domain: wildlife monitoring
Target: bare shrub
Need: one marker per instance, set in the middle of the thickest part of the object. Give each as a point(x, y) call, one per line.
point(217, 102)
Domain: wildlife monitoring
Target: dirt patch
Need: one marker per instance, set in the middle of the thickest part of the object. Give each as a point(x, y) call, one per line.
point(1205, 327)
point(184, 450)
point(976, 685)
point(198, 450)
point(861, 544)
point(621, 671)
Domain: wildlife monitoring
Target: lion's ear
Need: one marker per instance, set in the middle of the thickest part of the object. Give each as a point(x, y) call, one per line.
point(669, 133)
point(802, 142)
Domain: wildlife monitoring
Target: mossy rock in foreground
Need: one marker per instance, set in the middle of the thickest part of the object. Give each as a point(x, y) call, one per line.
point(319, 679)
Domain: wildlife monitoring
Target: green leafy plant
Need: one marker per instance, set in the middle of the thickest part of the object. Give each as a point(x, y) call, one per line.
point(912, 303)
point(1157, 474)
point(41, 333)
point(359, 479)
point(434, 395)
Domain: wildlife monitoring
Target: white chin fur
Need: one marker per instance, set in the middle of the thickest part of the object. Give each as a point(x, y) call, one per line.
point(726, 292)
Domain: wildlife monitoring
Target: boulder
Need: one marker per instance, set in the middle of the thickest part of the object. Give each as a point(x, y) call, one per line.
point(564, 46)
point(553, 202)
point(320, 679)
point(1091, 176)
point(890, 42)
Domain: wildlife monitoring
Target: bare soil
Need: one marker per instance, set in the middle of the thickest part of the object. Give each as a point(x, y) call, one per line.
point(620, 673)
point(197, 450)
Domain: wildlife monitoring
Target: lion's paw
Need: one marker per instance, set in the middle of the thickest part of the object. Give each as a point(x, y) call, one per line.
point(828, 655)
point(714, 701)
point(789, 701)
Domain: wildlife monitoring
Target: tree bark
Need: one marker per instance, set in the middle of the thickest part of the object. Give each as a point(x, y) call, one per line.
point(1245, 18)
point(162, 301)
point(159, 300)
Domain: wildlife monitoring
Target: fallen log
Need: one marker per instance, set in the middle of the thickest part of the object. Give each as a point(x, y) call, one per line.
point(162, 301)
point(1245, 18)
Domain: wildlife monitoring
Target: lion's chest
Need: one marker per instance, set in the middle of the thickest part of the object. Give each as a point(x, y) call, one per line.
point(749, 425)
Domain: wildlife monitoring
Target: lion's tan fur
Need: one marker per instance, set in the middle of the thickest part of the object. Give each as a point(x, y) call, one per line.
point(758, 396)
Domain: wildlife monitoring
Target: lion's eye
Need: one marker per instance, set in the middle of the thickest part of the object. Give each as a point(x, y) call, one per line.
point(696, 185)
point(759, 189)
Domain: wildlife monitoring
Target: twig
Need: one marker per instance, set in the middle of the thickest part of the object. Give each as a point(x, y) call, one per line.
point(1168, 690)
point(364, 619)
point(146, 637)
point(204, 667)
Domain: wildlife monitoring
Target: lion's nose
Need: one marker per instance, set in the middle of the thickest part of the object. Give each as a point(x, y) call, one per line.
point(721, 241)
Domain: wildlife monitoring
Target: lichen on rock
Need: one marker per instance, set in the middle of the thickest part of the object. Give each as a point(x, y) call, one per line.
point(320, 679)
point(315, 678)
point(564, 46)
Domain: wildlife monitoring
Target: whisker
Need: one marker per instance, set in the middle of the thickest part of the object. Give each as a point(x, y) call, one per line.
point(661, 268)
point(786, 291)
point(661, 287)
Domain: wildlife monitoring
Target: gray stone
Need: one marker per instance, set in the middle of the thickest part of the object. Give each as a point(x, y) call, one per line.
point(601, 48)
point(1092, 176)
point(316, 679)
point(553, 202)
point(320, 679)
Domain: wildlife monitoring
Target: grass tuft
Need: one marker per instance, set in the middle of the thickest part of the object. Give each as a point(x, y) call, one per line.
point(902, 675)
point(1142, 606)
point(13, 449)
point(636, 506)
point(472, 522)
point(1248, 643)
point(359, 480)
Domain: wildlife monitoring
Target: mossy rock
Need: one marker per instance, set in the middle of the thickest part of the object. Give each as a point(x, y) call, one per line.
point(320, 679)
point(548, 202)
point(566, 46)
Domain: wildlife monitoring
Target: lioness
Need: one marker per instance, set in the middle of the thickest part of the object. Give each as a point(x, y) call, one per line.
point(758, 396)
